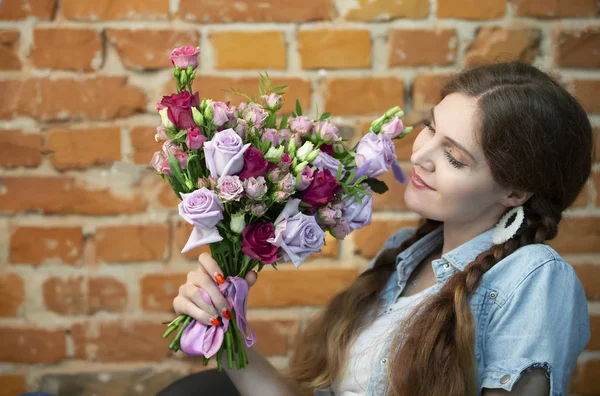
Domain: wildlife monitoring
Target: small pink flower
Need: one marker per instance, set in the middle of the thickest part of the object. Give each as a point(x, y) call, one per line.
point(195, 139)
point(183, 57)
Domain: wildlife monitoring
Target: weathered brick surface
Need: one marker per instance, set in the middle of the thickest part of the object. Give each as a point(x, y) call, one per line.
point(334, 49)
point(9, 45)
point(18, 148)
point(420, 47)
point(65, 48)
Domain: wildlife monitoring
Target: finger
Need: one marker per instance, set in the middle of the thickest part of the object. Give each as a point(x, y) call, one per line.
point(211, 267)
point(202, 280)
point(194, 294)
point(184, 306)
point(251, 278)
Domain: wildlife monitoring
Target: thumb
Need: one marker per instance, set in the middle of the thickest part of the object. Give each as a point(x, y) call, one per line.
point(251, 278)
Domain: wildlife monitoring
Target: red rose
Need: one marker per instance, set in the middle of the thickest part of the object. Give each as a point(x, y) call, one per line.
point(255, 164)
point(180, 108)
point(327, 149)
point(255, 245)
point(322, 190)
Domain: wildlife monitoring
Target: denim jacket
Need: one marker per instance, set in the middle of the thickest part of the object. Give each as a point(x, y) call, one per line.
point(529, 310)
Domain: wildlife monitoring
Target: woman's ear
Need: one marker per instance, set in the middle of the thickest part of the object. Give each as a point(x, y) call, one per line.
point(516, 198)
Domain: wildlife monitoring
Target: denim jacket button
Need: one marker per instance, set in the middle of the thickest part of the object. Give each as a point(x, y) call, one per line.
point(504, 379)
point(384, 361)
point(493, 295)
point(446, 266)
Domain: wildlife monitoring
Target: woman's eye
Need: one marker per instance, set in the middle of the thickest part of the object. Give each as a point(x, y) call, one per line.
point(427, 124)
point(453, 161)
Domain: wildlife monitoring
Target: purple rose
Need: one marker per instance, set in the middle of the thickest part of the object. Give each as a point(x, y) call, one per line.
point(285, 134)
point(322, 190)
point(195, 139)
point(328, 132)
point(183, 57)
point(273, 101)
point(328, 215)
point(271, 135)
point(255, 187)
point(393, 128)
point(224, 153)
point(358, 214)
point(301, 125)
point(230, 188)
point(180, 108)
point(255, 164)
point(202, 209)
point(326, 161)
point(305, 178)
point(254, 114)
point(221, 113)
point(241, 128)
point(376, 153)
point(341, 228)
point(255, 245)
point(258, 209)
point(297, 234)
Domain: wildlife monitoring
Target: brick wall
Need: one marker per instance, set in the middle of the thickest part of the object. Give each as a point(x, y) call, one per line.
point(89, 238)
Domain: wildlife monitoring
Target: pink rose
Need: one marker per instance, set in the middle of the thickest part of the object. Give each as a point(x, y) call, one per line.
point(271, 135)
point(180, 108)
point(255, 115)
point(255, 187)
point(161, 136)
point(273, 101)
point(301, 125)
point(230, 188)
point(328, 131)
point(161, 163)
point(195, 139)
point(241, 128)
point(177, 151)
point(394, 128)
point(304, 179)
point(183, 57)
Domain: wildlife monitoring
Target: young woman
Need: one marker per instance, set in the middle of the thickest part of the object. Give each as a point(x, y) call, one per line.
point(472, 302)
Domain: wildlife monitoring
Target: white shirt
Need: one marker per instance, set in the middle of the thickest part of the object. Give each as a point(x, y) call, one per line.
point(368, 346)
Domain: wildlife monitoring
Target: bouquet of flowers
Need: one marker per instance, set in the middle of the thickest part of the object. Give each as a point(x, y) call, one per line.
point(260, 190)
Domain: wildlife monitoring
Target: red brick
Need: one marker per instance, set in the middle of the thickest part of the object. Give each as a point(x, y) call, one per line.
point(120, 341)
point(63, 195)
point(249, 50)
point(369, 240)
point(39, 245)
point(98, 98)
point(115, 9)
point(334, 49)
point(427, 90)
point(20, 149)
point(555, 8)
point(106, 294)
point(354, 96)
point(594, 343)
point(418, 47)
point(581, 199)
point(275, 337)
point(497, 44)
point(167, 197)
point(596, 132)
point(394, 198)
point(214, 11)
point(596, 179)
point(404, 146)
point(12, 293)
point(586, 92)
point(65, 48)
point(20, 9)
point(9, 45)
point(377, 10)
point(213, 86)
point(12, 385)
point(65, 296)
point(78, 149)
point(31, 345)
point(159, 290)
point(329, 250)
point(585, 379)
point(144, 145)
point(578, 235)
point(578, 48)
point(180, 237)
point(132, 243)
point(149, 49)
point(589, 275)
point(471, 9)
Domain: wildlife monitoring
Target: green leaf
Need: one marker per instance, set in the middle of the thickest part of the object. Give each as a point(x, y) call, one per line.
point(339, 173)
point(377, 186)
point(324, 116)
point(284, 122)
point(177, 188)
point(176, 171)
point(298, 108)
point(278, 88)
point(349, 179)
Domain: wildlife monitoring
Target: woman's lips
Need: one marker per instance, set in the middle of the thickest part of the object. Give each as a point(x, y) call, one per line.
point(418, 182)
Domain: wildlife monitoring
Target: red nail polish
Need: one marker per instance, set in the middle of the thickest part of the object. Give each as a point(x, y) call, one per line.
point(215, 321)
point(219, 278)
point(227, 314)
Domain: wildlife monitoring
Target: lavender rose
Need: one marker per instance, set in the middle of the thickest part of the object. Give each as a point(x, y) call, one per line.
point(305, 178)
point(241, 128)
point(255, 188)
point(225, 153)
point(202, 209)
point(230, 188)
point(328, 132)
point(358, 214)
point(393, 128)
point(297, 234)
point(254, 114)
point(272, 135)
point(326, 161)
point(221, 113)
point(376, 153)
point(301, 125)
point(273, 101)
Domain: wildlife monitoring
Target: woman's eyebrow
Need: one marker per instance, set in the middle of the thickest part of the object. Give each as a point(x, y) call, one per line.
point(452, 141)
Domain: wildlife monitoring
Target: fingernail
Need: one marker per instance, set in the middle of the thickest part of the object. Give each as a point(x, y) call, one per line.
point(226, 314)
point(216, 321)
point(219, 278)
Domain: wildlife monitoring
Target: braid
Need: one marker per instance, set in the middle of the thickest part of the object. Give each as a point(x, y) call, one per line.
point(445, 335)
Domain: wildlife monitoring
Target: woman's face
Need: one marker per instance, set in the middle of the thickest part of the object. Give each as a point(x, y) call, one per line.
point(447, 157)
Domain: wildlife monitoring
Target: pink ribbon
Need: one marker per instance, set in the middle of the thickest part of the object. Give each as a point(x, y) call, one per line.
point(200, 339)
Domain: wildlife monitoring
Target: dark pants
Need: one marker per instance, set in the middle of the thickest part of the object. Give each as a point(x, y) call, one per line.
point(204, 383)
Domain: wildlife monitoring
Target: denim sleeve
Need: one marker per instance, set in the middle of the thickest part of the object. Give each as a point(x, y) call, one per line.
point(544, 323)
point(393, 241)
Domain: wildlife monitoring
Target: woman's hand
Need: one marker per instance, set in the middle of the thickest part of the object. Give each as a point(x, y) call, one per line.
point(205, 280)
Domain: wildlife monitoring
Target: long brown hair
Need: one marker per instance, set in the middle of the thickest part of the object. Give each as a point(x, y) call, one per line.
point(537, 138)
